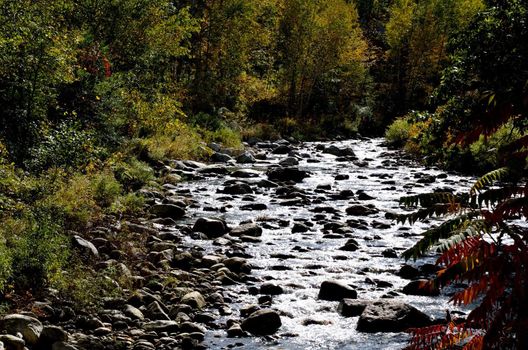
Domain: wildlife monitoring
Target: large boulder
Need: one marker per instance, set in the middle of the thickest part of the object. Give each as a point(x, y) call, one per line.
point(29, 327)
point(391, 316)
point(262, 322)
point(351, 307)
point(167, 211)
point(287, 174)
point(336, 291)
point(250, 229)
point(211, 227)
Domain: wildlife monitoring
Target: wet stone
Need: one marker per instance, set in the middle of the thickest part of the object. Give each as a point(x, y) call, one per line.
point(336, 291)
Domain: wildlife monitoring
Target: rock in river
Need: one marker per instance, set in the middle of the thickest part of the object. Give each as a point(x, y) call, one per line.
point(212, 227)
point(262, 322)
point(391, 316)
point(352, 307)
point(250, 229)
point(287, 174)
point(167, 211)
point(336, 291)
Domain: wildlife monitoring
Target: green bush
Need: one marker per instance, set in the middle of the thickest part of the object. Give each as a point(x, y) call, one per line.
point(485, 150)
point(398, 132)
point(133, 174)
point(106, 188)
point(35, 250)
point(131, 203)
point(225, 136)
point(67, 146)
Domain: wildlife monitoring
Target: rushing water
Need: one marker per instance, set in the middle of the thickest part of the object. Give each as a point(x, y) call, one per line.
point(307, 259)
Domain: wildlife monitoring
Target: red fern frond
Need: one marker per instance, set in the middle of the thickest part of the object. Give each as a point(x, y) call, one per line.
point(476, 343)
point(468, 295)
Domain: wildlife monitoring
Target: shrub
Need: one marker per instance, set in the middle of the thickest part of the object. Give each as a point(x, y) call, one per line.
point(133, 174)
point(398, 132)
point(261, 131)
point(66, 146)
point(74, 201)
point(485, 150)
point(177, 141)
point(35, 250)
point(87, 288)
point(130, 204)
point(106, 188)
point(225, 136)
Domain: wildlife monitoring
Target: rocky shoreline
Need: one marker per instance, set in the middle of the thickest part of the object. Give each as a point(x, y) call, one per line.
point(190, 267)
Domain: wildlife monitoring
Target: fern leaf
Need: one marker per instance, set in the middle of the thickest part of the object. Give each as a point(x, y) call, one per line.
point(433, 236)
point(428, 199)
point(476, 343)
point(467, 230)
point(493, 196)
point(423, 214)
point(488, 179)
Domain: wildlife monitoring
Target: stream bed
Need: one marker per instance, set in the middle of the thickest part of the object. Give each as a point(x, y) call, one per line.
point(297, 261)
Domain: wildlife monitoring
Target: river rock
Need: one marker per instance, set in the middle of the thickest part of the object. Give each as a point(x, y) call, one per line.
point(162, 326)
point(211, 227)
point(133, 312)
point(218, 157)
point(290, 161)
point(271, 289)
point(254, 206)
point(245, 173)
point(391, 316)
point(408, 272)
point(85, 247)
point(194, 299)
point(155, 312)
point(300, 228)
point(281, 149)
point(237, 265)
point(51, 335)
point(287, 174)
point(336, 291)
point(361, 210)
point(12, 343)
point(246, 158)
point(239, 188)
point(420, 287)
point(339, 151)
point(29, 327)
point(250, 229)
point(167, 211)
point(262, 322)
point(351, 307)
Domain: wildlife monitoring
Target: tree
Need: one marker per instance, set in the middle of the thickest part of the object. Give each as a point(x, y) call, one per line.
point(317, 38)
point(36, 56)
point(417, 33)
